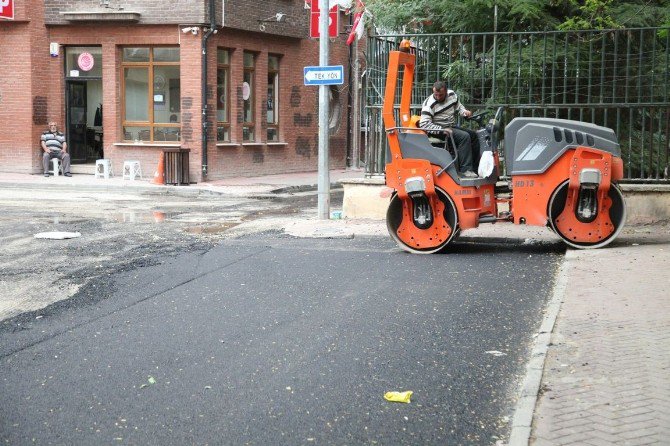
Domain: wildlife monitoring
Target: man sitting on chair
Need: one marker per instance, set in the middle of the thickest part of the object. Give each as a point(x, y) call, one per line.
point(54, 146)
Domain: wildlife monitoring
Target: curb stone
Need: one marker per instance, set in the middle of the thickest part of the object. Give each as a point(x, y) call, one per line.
point(525, 408)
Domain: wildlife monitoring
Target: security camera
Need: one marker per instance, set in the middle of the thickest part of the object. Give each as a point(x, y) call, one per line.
point(281, 17)
point(193, 29)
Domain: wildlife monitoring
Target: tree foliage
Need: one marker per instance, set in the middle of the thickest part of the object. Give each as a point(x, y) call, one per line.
point(596, 69)
point(455, 16)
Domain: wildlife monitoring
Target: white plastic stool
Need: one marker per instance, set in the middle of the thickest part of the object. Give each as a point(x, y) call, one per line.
point(103, 168)
point(57, 166)
point(131, 169)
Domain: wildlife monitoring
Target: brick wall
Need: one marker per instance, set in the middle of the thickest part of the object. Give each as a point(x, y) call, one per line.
point(32, 92)
point(298, 109)
point(237, 14)
point(46, 76)
point(28, 88)
point(15, 93)
point(245, 15)
point(151, 11)
point(111, 37)
point(191, 102)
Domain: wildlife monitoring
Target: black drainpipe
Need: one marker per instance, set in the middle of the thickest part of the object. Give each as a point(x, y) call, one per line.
point(350, 159)
point(205, 38)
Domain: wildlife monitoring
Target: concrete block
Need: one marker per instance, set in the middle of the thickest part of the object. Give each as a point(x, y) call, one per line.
point(365, 198)
point(646, 203)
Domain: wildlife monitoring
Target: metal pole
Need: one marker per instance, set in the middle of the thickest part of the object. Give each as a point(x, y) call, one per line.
point(324, 174)
point(495, 50)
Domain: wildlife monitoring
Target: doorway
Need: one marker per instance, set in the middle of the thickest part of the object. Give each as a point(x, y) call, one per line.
point(83, 104)
point(84, 120)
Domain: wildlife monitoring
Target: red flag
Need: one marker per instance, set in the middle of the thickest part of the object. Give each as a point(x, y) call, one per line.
point(352, 34)
point(357, 19)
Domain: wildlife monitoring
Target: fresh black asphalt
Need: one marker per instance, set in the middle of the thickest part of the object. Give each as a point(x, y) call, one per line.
point(274, 340)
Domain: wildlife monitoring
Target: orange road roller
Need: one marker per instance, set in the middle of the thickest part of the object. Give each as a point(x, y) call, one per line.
point(562, 174)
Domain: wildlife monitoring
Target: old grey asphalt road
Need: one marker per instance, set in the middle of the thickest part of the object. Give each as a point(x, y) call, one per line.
point(120, 230)
point(273, 340)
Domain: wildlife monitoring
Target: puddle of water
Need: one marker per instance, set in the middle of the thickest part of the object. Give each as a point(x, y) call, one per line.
point(58, 220)
point(210, 229)
point(120, 217)
point(141, 216)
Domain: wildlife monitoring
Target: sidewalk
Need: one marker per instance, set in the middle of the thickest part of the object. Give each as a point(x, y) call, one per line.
point(606, 376)
point(239, 186)
point(599, 371)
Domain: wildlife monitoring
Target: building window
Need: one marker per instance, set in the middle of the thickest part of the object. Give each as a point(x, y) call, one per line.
point(151, 93)
point(222, 94)
point(248, 95)
point(273, 99)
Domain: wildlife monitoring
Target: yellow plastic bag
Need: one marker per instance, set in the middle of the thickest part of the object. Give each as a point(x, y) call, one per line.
point(398, 397)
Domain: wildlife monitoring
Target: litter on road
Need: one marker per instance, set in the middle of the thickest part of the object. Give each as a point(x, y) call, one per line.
point(398, 397)
point(151, 381)
point(57, 235)
point(496, 353)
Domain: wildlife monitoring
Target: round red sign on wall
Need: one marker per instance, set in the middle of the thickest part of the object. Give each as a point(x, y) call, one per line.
point(85, 61)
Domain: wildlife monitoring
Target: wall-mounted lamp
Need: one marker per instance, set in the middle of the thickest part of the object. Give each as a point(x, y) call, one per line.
point(279, 17)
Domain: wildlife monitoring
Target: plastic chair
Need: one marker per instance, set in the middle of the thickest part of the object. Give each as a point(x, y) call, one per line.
point(103, 168)
point(57, 166)
point(131, 169)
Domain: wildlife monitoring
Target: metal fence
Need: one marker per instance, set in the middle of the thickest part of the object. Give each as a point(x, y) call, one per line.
point(616, 78)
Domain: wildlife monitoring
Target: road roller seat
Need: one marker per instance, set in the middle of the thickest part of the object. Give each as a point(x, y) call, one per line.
point(414, 122)
point(418, 146)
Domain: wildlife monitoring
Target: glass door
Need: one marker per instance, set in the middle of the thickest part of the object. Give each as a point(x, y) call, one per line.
point(76, 120)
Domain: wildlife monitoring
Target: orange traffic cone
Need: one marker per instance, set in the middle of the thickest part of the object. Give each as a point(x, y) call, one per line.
point(159, 175)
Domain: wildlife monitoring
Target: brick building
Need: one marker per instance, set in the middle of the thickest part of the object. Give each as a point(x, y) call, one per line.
point(124, 80)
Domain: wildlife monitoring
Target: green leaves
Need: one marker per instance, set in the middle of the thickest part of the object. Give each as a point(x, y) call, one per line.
point(592, 14)
point(455, 16)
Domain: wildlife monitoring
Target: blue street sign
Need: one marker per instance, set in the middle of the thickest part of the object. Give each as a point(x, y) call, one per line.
point(329, 75)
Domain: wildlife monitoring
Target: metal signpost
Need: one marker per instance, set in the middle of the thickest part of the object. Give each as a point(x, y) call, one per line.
point(324, 175)
point(323, 76)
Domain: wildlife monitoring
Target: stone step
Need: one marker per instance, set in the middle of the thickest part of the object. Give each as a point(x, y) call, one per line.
point(85, 169)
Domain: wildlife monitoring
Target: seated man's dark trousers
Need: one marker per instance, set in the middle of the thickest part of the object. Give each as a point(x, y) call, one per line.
point(463, 147)
point(474, 144)
point(64, 157)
